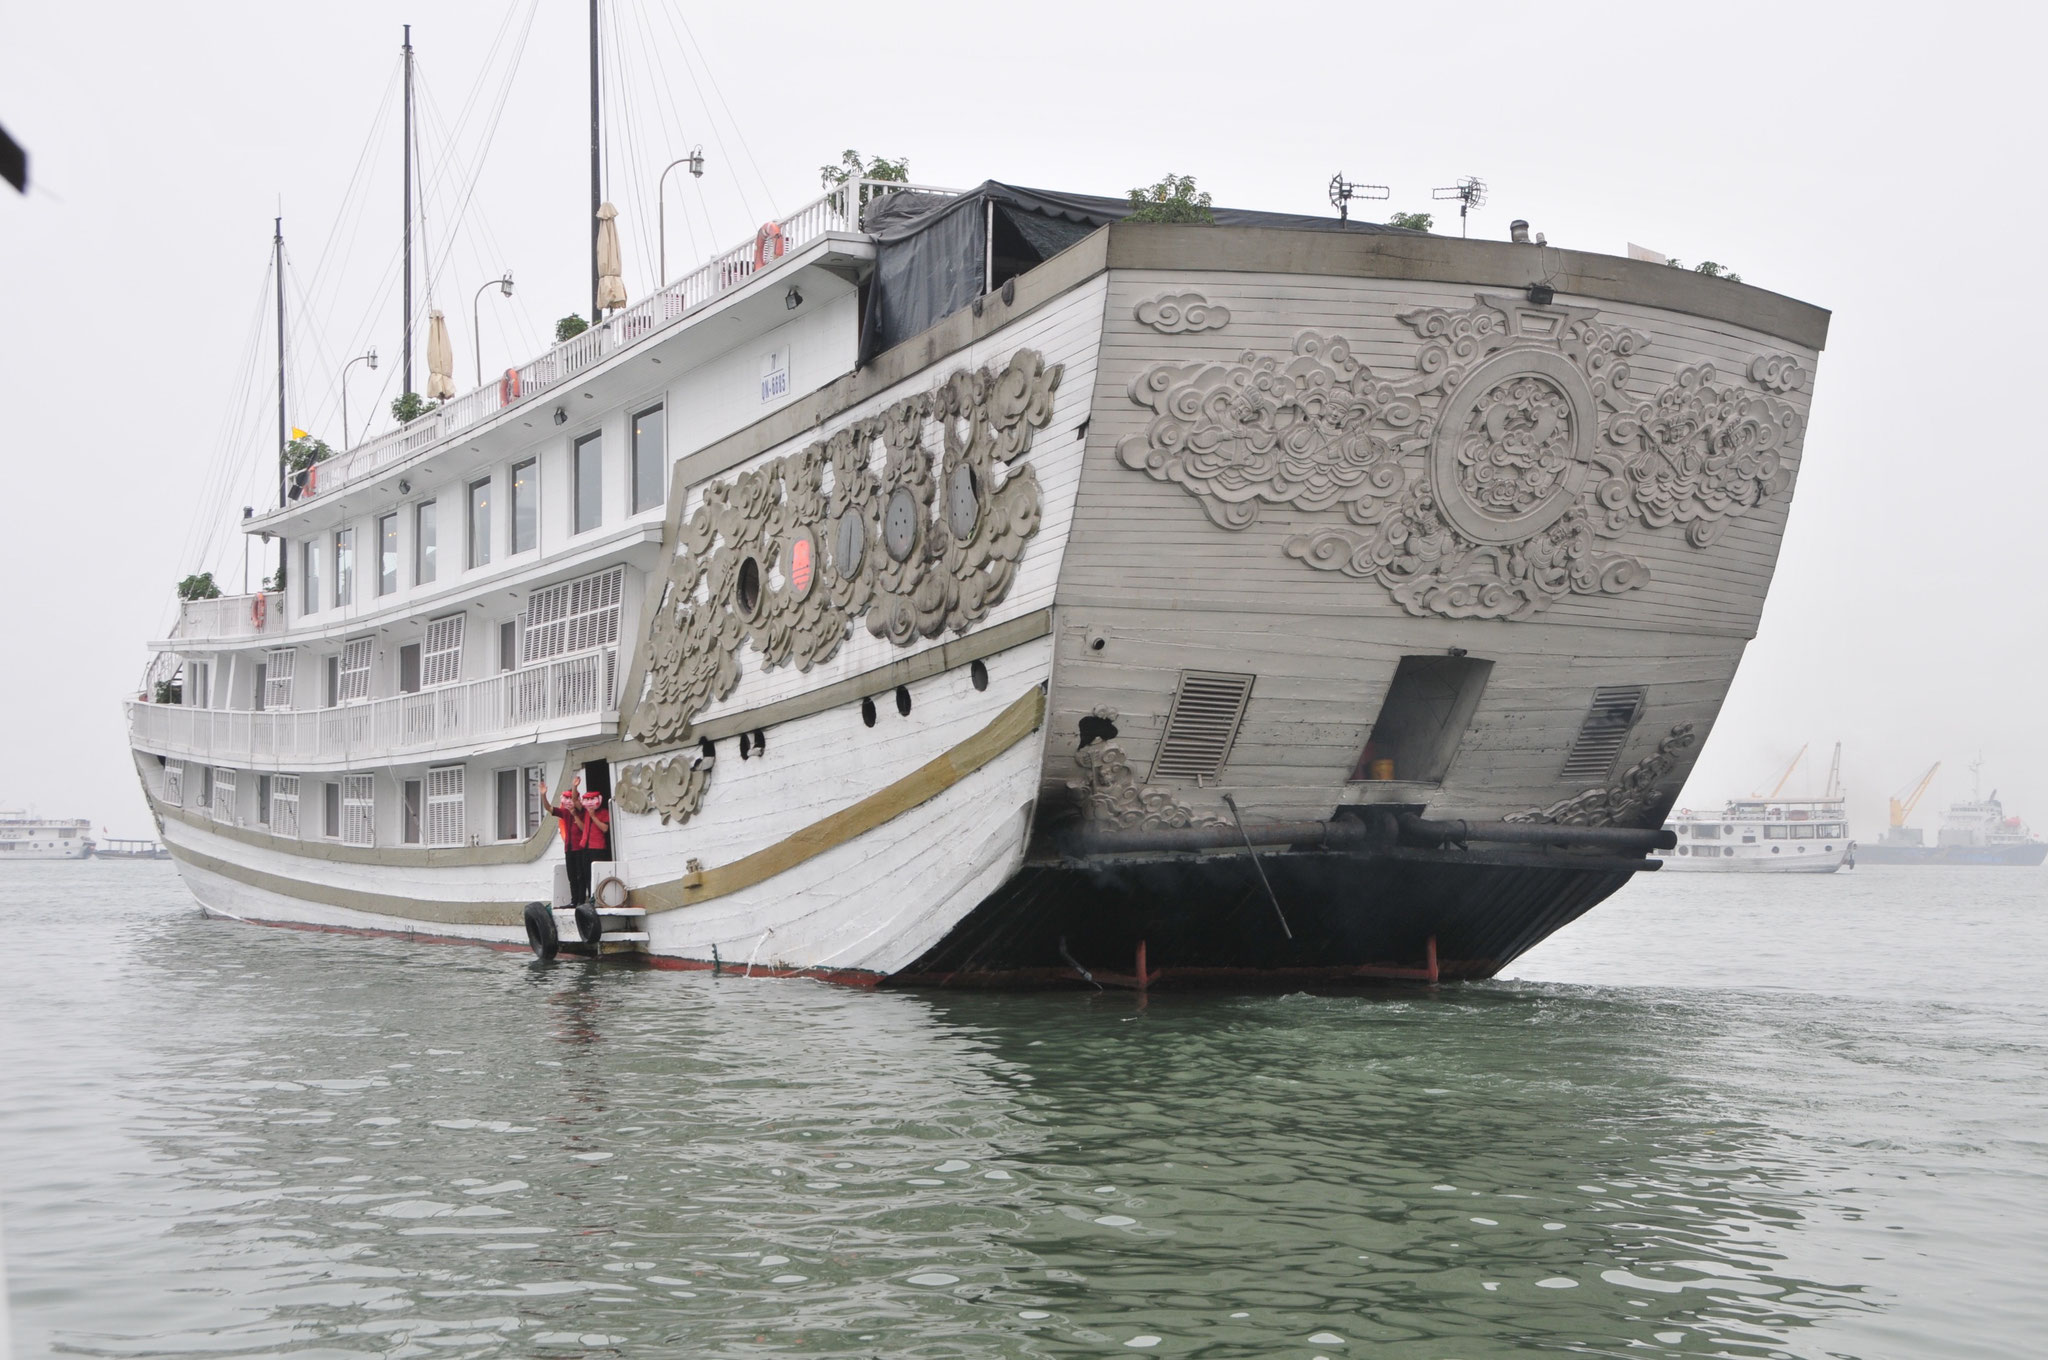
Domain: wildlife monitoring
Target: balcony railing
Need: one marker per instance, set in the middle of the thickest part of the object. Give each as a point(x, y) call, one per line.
point(510, 704)
point(230, 616)
point(838, 210)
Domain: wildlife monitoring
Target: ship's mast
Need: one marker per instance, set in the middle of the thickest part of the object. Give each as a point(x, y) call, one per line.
point(283, 430)
point(595, 315)
point(406, 384)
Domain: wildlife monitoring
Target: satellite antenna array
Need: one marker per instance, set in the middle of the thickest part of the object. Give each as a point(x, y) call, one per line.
point(1342, 191)
point(1470, 193)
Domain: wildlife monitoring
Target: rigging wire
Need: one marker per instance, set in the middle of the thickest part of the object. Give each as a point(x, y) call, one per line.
point(738, 130)
point(725, 155)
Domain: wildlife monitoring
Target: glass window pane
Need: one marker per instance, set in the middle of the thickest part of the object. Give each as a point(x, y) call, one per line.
point(649, 485)
point(344, 566)
point(508, 805)
point(423, 543)
point(589, 483)
point(312, 596)
point(480, 522)
point(525, 505)
point(387, 554)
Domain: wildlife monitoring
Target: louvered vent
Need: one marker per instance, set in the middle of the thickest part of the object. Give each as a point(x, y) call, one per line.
point(1202, 724)
point(1603, 733)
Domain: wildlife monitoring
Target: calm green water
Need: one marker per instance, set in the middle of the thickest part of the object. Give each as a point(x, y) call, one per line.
point(1719, 1117)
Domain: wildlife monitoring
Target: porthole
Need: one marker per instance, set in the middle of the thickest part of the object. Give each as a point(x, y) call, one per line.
point(1682, 849)
point(867, 712)
point(903, 700)
point(978, 673)
point(849, 544)
point(803, 563)
point(963, 503)
point(899, 524)
point(747, 591)
point(1777, 849)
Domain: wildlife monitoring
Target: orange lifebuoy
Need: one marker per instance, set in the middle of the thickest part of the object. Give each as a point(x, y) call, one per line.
point(508, 387)
point(259, 609)
point(769, 231)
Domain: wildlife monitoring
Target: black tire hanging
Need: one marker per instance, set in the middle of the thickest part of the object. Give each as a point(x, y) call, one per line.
point(589, 927)
point(540, 930)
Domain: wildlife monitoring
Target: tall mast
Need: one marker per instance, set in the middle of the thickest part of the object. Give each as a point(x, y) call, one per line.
point(595, 315)
point(283, 430)
point(406, 385)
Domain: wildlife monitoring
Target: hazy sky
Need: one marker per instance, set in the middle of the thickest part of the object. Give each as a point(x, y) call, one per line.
point(1883, 162)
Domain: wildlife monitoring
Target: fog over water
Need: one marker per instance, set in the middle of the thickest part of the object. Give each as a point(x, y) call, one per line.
point(1882, 167)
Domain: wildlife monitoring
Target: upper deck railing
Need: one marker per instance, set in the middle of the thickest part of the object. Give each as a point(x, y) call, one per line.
point(511, 704)
point(839, 209)
point(231, 616)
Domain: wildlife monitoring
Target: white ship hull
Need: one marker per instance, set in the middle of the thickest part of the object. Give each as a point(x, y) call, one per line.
point(1014, 824)
point(1801, 859)
point(46, 851)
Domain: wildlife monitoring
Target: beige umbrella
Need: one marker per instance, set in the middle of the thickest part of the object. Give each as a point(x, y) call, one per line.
point(440, 358)
point(611, 289)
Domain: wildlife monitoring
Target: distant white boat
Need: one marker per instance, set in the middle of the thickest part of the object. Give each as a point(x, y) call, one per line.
point(23, 835)
point(1762, 836)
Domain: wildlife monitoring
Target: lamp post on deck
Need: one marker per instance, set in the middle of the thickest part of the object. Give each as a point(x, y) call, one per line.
point(695, 160)
point(371, 360)
point(476, 333)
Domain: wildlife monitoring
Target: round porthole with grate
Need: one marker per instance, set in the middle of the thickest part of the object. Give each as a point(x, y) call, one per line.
point(899, 524)
point(963, 503)
point(849, 544)
point(803, 563)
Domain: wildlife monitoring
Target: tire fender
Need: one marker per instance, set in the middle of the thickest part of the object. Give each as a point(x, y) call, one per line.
point(540, 930)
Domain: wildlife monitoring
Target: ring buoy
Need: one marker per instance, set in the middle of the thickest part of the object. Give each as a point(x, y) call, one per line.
point(508, 387)
point(259, 609)
point(769, 231)
point(540, 930)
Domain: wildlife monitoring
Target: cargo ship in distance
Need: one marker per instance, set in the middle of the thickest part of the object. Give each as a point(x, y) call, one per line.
point(962, 588)
point(1972, 832)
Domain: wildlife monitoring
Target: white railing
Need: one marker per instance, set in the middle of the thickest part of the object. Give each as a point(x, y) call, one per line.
point(230, 616)
point(508, 704)
point(839, 209)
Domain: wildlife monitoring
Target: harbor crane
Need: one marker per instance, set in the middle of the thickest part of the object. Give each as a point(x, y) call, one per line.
point(1902, 808)
point(1780, 785)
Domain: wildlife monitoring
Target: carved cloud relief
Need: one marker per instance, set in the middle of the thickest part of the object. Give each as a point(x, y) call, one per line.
point(1178, 313)
point(784, 557)
point(1490, 480)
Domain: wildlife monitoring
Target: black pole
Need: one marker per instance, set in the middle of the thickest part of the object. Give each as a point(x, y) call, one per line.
point(283, 430)
point(406, 386)
point(595, 315)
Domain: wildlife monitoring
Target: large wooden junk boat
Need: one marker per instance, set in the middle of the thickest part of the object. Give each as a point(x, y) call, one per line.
point(970, 588)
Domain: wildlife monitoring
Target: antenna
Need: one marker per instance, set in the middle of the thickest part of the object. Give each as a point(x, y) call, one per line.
point(1470, 193)
point(1342, 191)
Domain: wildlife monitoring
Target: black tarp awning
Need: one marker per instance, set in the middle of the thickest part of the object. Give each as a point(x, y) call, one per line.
point(933, 256)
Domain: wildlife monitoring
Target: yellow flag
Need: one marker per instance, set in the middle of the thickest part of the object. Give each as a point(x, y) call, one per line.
point(298, 433)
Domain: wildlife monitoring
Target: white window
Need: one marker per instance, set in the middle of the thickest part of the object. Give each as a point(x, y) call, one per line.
point(445, 821)
point(284, 805)
point(277, 678)
point(358, 810)
point(355, 671)
point(224, 795)
point(174, 783)
point(442, 663)
point(574, 616)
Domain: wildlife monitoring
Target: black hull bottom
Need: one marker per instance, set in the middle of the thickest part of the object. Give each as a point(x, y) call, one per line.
point(1372, 915)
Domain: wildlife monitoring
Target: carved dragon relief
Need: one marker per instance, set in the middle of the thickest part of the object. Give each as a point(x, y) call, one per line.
point(1111, 796)
point(1482, 484)
point(786, 556)
point(1631, 800)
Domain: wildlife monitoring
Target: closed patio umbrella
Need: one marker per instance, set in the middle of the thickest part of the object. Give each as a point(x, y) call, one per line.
point(440, 358)
point(611, 288)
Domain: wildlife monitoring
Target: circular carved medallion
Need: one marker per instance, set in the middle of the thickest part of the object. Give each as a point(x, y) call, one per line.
point(849, 544)
point(899, 524)
point(963, 503)
point(1513, 446)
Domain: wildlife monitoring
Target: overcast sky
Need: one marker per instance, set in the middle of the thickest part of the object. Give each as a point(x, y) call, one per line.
point(1882, 162)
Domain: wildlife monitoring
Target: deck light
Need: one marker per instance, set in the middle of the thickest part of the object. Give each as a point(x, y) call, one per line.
point(1541, 294)
point(792, 299)
point(561, 416)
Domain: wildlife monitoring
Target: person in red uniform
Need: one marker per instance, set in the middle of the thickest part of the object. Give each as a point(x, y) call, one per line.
point(568, 812)
point(597, 829)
